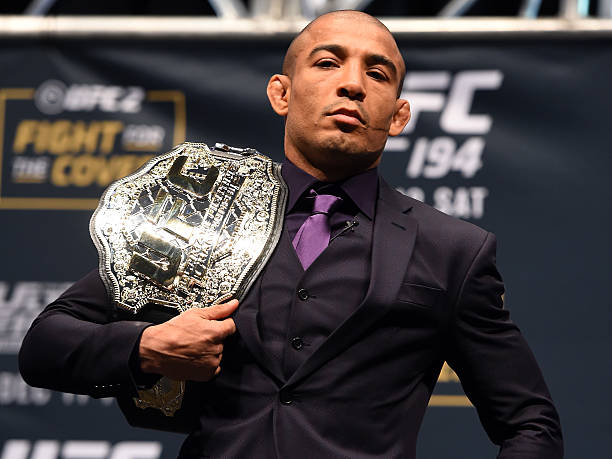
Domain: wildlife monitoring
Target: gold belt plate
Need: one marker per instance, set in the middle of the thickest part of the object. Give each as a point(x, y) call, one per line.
point(191, 228)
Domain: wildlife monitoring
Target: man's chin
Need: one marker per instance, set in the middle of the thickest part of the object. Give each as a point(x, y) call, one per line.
point(348, 146)
point(347, 128)
point(347, 157)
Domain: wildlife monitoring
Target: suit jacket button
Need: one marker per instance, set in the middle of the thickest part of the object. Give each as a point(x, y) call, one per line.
point(285, 397)
point(303, 294)
point(297, 343)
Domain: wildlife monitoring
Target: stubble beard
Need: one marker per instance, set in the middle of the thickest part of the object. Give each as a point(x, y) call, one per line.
point(338, 156)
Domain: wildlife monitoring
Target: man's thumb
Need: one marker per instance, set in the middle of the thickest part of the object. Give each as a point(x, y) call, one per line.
point(219, 311)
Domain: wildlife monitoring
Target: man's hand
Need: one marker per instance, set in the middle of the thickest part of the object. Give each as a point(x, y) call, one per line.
point(190, 345)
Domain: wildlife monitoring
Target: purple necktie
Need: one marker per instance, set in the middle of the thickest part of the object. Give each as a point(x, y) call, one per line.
point(313, 236)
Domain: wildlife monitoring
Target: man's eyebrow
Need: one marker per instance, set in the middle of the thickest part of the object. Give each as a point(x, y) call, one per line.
point(371, 59)
point(335, 49)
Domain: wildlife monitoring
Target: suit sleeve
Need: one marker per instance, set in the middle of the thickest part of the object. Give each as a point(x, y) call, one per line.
point(77, 344)
point(498, 370)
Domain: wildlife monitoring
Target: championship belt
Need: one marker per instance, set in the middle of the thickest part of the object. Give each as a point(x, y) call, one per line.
point(190, 229)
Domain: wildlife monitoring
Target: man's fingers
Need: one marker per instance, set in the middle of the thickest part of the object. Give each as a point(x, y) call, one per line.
point(219, 311)
point(217, 349)
point(225, 328)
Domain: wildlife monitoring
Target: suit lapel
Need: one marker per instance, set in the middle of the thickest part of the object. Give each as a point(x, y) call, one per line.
point(393, 241)
point(246, 324)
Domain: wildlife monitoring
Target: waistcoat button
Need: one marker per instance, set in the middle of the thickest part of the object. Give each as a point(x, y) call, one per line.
point(285, 397)
point(303, 294)
point(297, 343)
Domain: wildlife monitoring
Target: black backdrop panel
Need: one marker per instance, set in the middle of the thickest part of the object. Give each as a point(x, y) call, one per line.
point(512, 134)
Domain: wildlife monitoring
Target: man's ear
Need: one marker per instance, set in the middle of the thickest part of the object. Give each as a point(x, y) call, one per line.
point(400, 117)
point(279, 91)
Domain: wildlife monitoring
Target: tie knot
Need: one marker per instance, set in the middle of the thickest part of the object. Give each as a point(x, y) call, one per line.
point(324, 203)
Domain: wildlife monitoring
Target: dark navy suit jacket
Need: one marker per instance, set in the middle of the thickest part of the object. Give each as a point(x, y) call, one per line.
point(435, 295)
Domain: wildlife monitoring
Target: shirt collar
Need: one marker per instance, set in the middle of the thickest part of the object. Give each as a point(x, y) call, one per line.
point(361, 188)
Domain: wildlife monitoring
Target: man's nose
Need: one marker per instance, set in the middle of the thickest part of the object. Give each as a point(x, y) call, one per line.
point(351, 84)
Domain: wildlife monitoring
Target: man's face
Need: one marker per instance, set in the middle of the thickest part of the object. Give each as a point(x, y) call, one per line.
point(342, 98)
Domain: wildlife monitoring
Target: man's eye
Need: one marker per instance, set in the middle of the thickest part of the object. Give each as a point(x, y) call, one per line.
point(326, 63)
point(377, 75)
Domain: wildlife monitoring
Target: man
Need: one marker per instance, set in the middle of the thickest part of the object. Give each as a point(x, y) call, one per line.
point(333, 354)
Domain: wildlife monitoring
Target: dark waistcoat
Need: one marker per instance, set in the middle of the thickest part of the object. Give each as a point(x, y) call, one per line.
point(299, 309)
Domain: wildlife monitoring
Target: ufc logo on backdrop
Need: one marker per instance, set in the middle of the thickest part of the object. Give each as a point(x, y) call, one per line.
point(20, 303)
point(452, 96)
point(458, 141)
point(79, 449)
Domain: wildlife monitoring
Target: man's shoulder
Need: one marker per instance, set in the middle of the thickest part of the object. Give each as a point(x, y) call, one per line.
point(433, 224)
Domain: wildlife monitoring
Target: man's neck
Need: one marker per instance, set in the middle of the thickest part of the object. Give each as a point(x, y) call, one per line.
point(329, 173)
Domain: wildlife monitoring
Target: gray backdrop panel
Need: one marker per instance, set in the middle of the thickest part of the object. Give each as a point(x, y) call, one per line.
point(509, 133)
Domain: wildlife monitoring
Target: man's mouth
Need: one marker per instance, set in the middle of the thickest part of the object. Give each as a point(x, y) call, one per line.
point(347, 116)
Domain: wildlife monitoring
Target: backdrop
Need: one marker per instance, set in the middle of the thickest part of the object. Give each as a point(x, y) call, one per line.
point(510, 133)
